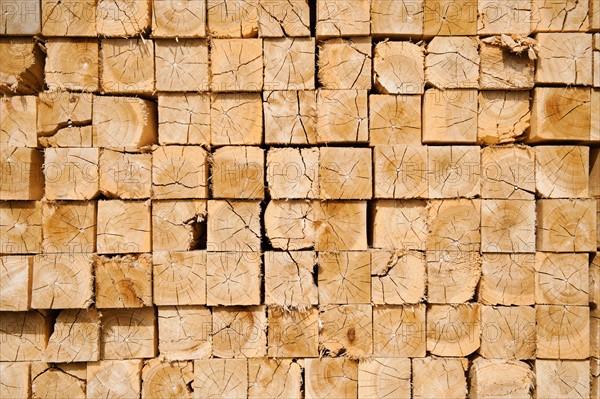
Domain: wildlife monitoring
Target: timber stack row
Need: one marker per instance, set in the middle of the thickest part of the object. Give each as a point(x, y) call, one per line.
point(310, 199)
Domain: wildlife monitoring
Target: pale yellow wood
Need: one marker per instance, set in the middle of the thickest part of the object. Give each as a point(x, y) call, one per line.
point(435, 377)
point(508, 172)
point(508, 226)
point(454, 171)
point(500, 379)
point(594, 15)
point(394, 120)
point(563, 332)
point(562, 171)
point(124, 121)
point(234, 226)
point(178, 225)
point(21, 66)
point(128, 66)
point(293, 173)
point(384, 377)
point(290, 279)
point(341, 225)
point(397, 277)
point(502, 69)
point(114, 379)
point(18, 116)
point(232, 19)
point(179, 19)
point(401, 171)
point(566, 225)
point(402, 18)
point(76, 137)
point(123, 18)
point(236, 118)
point(454, 225)
point(61, 109)
point(496, 288)
point(69, 226)
point(453, 330)
point(345, 63)
point(179, 172)
point(564, 58)
point(595, 117)
point(123, 281)
point(62, 281)
point(596, 68)
point(450, 116)
point(238, 172)
point(71, 173)
point(398, 68)
point(239, 331)
point(54, 381)
point(594, 300)
point(452, 277)
point(279, 19)
point(507, 332)
point(273, 378)
point(22, 177)
point(184, 332)
point(15, 380)
point(290, 225)
point(506, 17)
point(75, 338)
point(20, 18)
point(289, 63)
point(561, 279)
point(399, 331)
point(72, 64)
point(220, 378)
point(290, 117)
point(162, 379)
point(125, 175)
point(20, 227)
point(331, 378)
point(342, 18)
point(345, 173)
point(24, 336)
point(450, 18)
point(452, 62)
point(344, 277)
point(123, 227)
point(184, 118)
point(560, 114)
point(559, 16)
point(233, 278)
point(503, 116)
point(346, 330)
point(562, 379)
point(400, 225)
point(15, 281)
point(293, 333)
point(179, 278)
point(128, 334)
point(69, 18)
point(236, 64)
point(342, 116)
point(595, 378)
point(181, 65)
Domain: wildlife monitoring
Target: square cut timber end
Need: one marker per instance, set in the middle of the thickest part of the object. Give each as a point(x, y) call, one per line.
point(181, 65)
point(564, 58)
point(15, 379)
point(233, 278)
point(290, 117)
point(293, 332)
point(18, 115)
point(564, 378)
point(123, 227)
point(229, 377)
point(236, 119)
point(397, 277)
point(409, 78)
point(345, 63)
point(179, 20)
point(452, 371)
point(506, 17)
point(454, 171)
point(71, 173)
point(179, 172)
point(500, 378)
point(278, 19)
point(508, 226)
point(179, 278)
point(20, 227)
point(179, 225)
point(23, 73)
point(328, 377)
point(69, 226)
point(344, 277)
point(508, 332)
point(75, 338)
point(162, 378)
point(394, 119)
point(503, 117)
point(290, 224)
point(453, 330)
point(343, 18)
point(118, 75)
point(265, 376)
point(399, 331)
point(237, 19)
point(234, 225)
point(342, 116)
point(63, 379)
point(346, 330)
point(123, 281)
point(293, 173)
point(452, 276)
point(236, 64)
point(24, 336)
point(562, 279)
point(239, 331)
point(450, 116)
point(289, 63)
point(562, 171)
point(125, 175)
point(72, 64)
point(508, 172)
point(101, 378)
point(61, 109)
point(452, 62)
point(401, 171)
point(184, 332)
point(22, 18)
point(399, 225)
point(184, 118)
point(345, 173)
point(22, 176)
point(129, 334)
point(450, 18)
point(238, 172)
point(15, 280)
point(397, 18)
point(562, 16)
point(495, 288)
point(504, 69)
point(123, 18)
point(563, 332)
point(290, 279)
point(382, 377)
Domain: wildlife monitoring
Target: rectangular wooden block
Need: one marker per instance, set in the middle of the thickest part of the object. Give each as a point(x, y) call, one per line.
point(345, 173)
point(401, 171)
point(563, 332)
point(496, 288)
point(233, 278)
point(15, 380)
point(239, 332)
point(400, 224)
point(72, 64)
point(595, 119)
point(562, 171)
point(123, 226)
point(181, 65)
point(508, 226)
point(75, 137)
point(560, 114)
point(450, 18)
point(346, 330)
point(564, 58)
point(381, 377)
point(341, 18)
point(265, 376)
point(238, 172)
point(125, 175)
point(24, 336)
point(277, 19)
point(69, 18)
point(503, 116)
point(399, 331)
point(452, 62)
point(62, 281)
point(505, 17)
point(65, 379)
point(236, 64)
point(562, 378)
point(20, 17)
point(566, 225)
point(292, 173)
point(178, 225)
point(341, 226)
point(179, 172)
point(450, 116)
point(236, 118)
point(161, 378)
point(61, 109)
point(498, 378)
point(237, 20)
point(179, 278)
point(508, 332)
point(21, 173)
point(344, 277)
point(388, 78)
point(25, 73)
point(289, 63)
point(345, 63)
point(559, 16)
point(184, 332)
point(128, 334)
point(452, 276)
point(397, 278)
point(342, 116)
point(502, 69)
point(227, 376)
point(123, 281)
point(101, 381)
point(71, 173)
point(561, 279)
point(26, 238)
point(127, 66)
point(179, 20)
point(293, 333)
point(454, 171)
point(508, 173)
point(289, 117)
point(394, 119)
point(75, 337)
point(451, 370)
point(331, 377)
point(69, 227)
point(453, 330)
point(290, 279)
point(15, 282)
point(234, 226)
point(123, 18)
point(184, 118)
point(397, 18)
point(452, 218)
point(17, 121)
point(290, 224)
